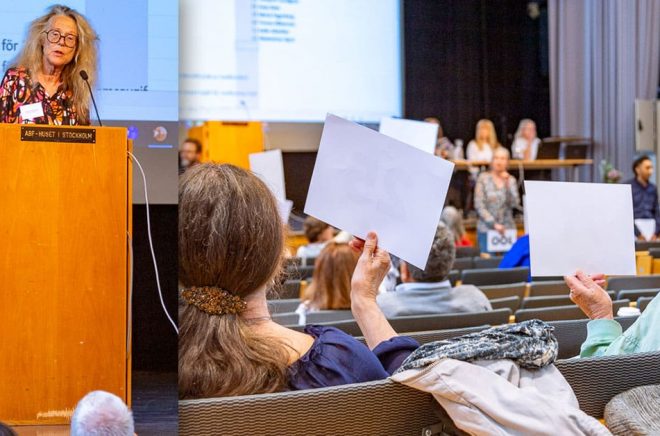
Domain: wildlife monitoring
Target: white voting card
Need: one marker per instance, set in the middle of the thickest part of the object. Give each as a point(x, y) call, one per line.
point(269, 168)
point(586, 226)
point(364, 180)
point(419, 134)
point(497, 242)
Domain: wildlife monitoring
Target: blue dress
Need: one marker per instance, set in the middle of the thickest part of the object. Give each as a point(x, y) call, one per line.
point(337, 358)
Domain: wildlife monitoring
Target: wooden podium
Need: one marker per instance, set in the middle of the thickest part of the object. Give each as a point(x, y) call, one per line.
point(64, 314)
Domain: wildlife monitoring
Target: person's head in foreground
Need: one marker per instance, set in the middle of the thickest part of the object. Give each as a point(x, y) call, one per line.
point(231, 245)
point(643, 169)
point(526, 130)
point(441, 258)
point(485, 134)
point(331, 284)
point(500, 160)
point(190, 152)
point(5, 430)
point(317, 231)
point(101, 413)
point(61, 44)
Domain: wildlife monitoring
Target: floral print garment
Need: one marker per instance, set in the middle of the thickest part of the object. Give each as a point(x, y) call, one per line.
point(495, 205)
point(17, 89)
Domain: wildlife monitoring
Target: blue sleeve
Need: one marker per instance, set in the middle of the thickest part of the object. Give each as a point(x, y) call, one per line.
point(657, 211)
point(517, 254)
point(336, 358)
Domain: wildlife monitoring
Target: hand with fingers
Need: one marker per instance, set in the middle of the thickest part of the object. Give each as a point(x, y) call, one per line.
point(371, 269)
point(588, 294)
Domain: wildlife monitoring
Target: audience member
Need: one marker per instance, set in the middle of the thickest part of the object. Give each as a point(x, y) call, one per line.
point(101, 413)
point(645, 195)
point(231, 244)
point(443, 146)
point(526, 143)
point(428, 291)
point(318, 234)
point(518, 255)
point(604, 335)
point(495, 198)
point(5, 430)
point(330, 288)
point(453, 219)
point(189, 154)
point(484, 143)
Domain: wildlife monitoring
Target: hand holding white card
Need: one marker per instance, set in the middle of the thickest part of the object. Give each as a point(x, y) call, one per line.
point(586, 226)
point(268, 166)
point(365, 181)
point(419, 134)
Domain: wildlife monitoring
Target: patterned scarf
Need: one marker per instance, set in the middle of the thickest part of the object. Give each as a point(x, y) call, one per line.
point(530, 344)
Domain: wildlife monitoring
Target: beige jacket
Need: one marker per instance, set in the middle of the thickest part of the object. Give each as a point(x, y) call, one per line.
point(496, 397)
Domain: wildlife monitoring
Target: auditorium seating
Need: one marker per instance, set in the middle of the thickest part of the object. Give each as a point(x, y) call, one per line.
point(462, 263)
point(542, 289)
point(512, 303)
point(325, 316)
point(386, 407)
point(289, 289)
point(284, 305)
point(635, 294)
point(561, 312)
point(571, 334)
point(467, 252)
point(299, 272)
point(643, 302)
point(636, 282)
point(506, 290)
point(494, 276)
point(420, 323)
point(646, 245)
point(549, 301)
point(491, 262)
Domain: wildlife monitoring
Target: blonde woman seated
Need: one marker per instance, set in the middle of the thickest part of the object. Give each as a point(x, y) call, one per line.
point(526, 143)
point(495, 198)
point(330, 288)
point(484, 142)
point(231, 247)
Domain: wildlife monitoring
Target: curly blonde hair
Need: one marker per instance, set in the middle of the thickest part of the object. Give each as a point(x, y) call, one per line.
point(31, 56)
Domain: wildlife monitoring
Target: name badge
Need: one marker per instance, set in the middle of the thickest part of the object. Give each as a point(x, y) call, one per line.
point(32, 111)
point(498, 242)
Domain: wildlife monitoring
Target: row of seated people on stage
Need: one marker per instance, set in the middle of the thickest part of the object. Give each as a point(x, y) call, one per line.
point(97, 413)
point(231, 254)
point(524, 147)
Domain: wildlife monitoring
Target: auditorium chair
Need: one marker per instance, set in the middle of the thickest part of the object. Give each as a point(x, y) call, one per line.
point(561, 312)
point(290, 318)
point(461, 263)
point(494, 276)
point(512, 303)
point(549, 301)
point(467, 251)
point(422, 323)
point(324, 316)
point(646, 245)
point(437, 335)
point(491, 262)
point(635, 294)
point(288, 290)
point(654, 252)
point(636, 282)
point(507, 290)
point(643, 302)
point(308, 261)
point(572, 333)
point(385, 407)
point(299, 272)
point(544, 289)
point(283, 305)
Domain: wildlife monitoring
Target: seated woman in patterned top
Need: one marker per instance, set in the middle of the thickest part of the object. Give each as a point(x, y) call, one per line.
point(43, 85)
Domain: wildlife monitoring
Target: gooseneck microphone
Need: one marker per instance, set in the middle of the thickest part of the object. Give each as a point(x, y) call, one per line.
point(85, 77)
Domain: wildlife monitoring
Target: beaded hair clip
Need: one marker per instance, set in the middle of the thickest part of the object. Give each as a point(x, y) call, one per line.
point(214, 301)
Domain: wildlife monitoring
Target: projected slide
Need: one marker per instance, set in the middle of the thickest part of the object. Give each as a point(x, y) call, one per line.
point(138, 52)
point(290, 60)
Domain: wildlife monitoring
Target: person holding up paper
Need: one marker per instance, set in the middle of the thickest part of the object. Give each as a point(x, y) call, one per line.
point(604, 335)
point(231, 248)
point(495, 198)
point(484, 142)
point(645, 199)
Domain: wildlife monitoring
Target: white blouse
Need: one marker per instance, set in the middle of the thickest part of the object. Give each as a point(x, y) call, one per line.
point(474, 154)
point(520, 145)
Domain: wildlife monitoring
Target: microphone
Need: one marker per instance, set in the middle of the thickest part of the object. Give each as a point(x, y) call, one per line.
point(85, 77)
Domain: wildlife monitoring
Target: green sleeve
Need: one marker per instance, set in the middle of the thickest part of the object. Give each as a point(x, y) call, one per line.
point(602, 335)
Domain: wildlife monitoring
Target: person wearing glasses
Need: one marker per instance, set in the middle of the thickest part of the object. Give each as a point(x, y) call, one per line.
point(43, 84)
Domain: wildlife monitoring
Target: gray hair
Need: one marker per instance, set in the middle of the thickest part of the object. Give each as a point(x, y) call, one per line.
point(441, 258)
point(452, 218)
point(102, 413)
point(522, 125)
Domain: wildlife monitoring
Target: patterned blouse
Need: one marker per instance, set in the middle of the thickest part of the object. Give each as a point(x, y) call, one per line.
point(495, 205)
point(17, 89)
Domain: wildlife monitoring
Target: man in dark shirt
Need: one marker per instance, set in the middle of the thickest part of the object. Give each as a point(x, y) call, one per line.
point(645, 194)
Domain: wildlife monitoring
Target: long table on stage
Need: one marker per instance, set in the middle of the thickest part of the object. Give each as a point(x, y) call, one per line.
point(539, 164)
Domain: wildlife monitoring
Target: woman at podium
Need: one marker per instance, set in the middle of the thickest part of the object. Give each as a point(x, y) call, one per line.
point(44, 84)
